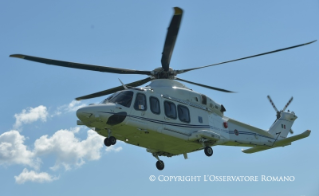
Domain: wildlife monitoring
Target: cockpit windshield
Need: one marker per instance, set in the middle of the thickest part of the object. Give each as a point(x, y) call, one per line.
point(123, 98)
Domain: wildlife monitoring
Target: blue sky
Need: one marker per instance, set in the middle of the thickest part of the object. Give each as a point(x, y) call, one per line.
point(38, 132)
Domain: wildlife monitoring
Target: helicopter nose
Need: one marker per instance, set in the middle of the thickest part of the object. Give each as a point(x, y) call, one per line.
point(84, 113)
point(92, 114)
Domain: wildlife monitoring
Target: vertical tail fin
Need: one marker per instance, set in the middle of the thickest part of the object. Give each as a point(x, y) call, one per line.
point(282, 125)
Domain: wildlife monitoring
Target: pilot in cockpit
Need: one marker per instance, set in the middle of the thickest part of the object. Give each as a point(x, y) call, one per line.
point(140, 100)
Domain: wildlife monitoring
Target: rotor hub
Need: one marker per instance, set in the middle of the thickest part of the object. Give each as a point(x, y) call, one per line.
point(159, 73)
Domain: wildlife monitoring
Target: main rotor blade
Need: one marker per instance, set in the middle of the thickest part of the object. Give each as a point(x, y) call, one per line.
point(80, 66)
point(171, 38)
point(205, 86)
point(113, 90)
point(261, 54)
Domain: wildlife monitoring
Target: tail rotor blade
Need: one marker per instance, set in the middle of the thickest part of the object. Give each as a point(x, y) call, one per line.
point(272, 103)
point(290, 100)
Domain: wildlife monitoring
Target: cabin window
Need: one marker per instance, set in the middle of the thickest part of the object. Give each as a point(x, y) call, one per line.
point(204, 99)
point(123, 98)
point(170, 109)
point(183, 113)
point(155, 106)
point(200, 119)
point(140, 102)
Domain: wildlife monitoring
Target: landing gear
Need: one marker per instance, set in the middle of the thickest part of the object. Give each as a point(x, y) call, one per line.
point(110, 140)
point(107, 142)
point(208, 151)
point(160, 165)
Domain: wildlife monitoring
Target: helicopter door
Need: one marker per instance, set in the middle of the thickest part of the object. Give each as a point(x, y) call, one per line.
point(170, 116)
point(140, 112)
point(155, 114)
point(140, 103)
point(170, 111)
point(177, 118)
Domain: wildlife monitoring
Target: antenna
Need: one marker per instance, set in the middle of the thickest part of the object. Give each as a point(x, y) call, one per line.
point(123, 84)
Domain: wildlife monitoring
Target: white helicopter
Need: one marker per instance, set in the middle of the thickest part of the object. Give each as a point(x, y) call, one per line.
point(169, 119)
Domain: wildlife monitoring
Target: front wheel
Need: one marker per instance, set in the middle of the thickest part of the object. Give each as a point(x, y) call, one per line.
point(112, 140)
point(107, 142)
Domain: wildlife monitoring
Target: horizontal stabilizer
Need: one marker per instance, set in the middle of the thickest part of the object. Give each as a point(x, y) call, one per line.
point(287, 141)
point(280, 143)
point(256, 149)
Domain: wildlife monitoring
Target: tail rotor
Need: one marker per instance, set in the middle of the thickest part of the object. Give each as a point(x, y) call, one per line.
point(279, 112)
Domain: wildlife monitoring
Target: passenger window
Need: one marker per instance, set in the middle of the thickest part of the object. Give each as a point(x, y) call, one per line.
point(170, 109)
point(140, 102)
point(204, 99)
point(200, 119)
point(183, 113)
point(155, 106)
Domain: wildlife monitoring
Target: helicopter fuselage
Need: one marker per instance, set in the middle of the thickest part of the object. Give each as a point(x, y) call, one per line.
point(169, 119)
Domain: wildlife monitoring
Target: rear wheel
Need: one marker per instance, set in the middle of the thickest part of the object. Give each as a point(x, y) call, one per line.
point(208, 151)
point(160, 165)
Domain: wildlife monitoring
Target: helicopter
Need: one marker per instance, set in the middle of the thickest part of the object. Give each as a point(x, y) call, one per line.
point(168, 118)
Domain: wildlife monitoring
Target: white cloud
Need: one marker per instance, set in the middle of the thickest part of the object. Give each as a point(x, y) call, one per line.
point(75, 129)
point(32, 115)
point(13, 150)
point(75, 105)
point(114, 148)
point(69, 152)
point(63, 144)
point(68, 149)
point(33, 176)
point(71, 107)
